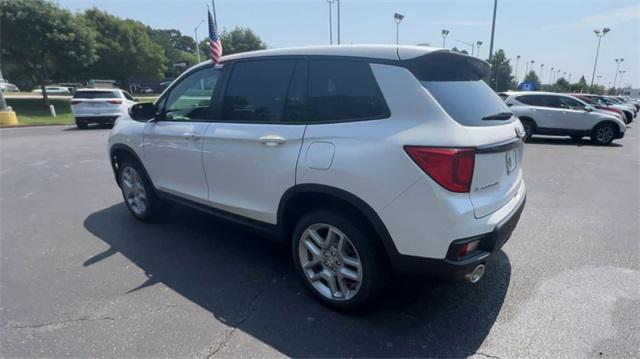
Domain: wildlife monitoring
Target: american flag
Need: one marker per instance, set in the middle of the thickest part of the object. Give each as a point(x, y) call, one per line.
point(215, 46)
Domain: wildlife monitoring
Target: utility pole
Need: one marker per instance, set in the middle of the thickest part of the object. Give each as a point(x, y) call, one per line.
point(493, 28)
point(398, 19)
point(600, 34)
point(195, 33)
point(445, 32)
point(330, 22)
point(618, 62)
point(338, 4)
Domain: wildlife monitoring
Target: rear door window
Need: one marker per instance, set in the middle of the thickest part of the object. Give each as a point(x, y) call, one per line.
point(257, 91)
point(343, 90)
point(97, 94)
point(467, 102)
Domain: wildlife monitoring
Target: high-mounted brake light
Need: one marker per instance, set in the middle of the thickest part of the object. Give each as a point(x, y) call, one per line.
point(452, 168)
point(115, 102)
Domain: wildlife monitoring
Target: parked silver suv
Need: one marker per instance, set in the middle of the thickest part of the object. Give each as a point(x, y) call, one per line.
point(548, 113)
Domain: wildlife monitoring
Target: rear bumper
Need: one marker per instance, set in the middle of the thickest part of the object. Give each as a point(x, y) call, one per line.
point(98, 119)
point(453, 268)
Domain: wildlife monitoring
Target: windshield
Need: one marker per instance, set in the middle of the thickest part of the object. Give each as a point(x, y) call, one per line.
point(468, 102)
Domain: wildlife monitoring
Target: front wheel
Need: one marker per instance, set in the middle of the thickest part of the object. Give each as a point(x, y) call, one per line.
point(603, 134)
point(338, 259)
point(81, 124)
point(139, 195)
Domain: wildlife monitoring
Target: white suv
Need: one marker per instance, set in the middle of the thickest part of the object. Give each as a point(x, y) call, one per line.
point(549, 113)
point(102, 106)
point(368, 160)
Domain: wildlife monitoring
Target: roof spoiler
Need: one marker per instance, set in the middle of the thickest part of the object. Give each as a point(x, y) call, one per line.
point(445, 65)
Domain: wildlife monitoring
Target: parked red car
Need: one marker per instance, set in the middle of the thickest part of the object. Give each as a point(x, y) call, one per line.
point(599, 106)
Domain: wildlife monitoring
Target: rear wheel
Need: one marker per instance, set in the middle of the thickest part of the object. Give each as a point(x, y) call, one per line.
point(338, 260)
point(603, 134)
point(139, 195)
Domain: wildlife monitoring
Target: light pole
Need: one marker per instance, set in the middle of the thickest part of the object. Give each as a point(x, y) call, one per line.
point(622, 72)
point(478, 44)
point(195, 33)
point(472, 45)
point(445, 32)
point(556, 76)
point(517, 62)
point(330, 21)
point(618, 62)
point(398, 19)
point(533, 62)
point(526, 70)
point(551, 76)
point(338, 4)
point(569, 77)
point(599, 34)
point(541, 67)
point(598, 79)
point(493, 28)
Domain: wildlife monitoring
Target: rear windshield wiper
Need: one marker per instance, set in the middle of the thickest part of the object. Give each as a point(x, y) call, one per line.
point(501, 116)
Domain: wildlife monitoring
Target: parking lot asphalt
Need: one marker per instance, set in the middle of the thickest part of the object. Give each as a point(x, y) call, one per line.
point(80, 277)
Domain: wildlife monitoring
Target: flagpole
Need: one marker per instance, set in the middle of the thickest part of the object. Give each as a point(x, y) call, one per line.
point(215, 18)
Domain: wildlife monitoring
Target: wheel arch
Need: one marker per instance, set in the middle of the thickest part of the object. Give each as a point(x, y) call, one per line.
point(120, 152)
point(302, 198)
point(608, 122)
point(530, 119)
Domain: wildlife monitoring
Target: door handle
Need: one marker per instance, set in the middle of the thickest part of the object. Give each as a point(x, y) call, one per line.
point(272, 140)
point(192, 136)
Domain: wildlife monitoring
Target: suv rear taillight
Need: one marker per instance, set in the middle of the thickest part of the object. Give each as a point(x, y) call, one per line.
point(115, 102)
point(452, 168)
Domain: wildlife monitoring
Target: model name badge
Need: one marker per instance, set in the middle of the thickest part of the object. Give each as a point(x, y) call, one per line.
point(486, 186)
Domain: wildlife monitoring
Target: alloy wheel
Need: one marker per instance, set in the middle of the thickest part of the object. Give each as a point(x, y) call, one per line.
point(134, 191)
point(330, 262)
point(604, 134)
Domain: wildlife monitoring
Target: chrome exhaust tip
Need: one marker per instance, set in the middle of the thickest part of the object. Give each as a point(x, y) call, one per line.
point(476, 274)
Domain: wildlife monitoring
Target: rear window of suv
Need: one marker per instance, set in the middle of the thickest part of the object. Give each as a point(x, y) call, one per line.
point(467, 102)
point(97, 94)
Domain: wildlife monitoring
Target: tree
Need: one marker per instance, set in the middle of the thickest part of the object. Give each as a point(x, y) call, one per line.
point(177, 48)
point(40, 39)
point(532, 77)
point(581, 86)
point(237, 40)
point(125, 49)
point(500, 71)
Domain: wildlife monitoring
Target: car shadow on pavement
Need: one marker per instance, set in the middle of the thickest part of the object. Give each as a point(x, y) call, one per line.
point(89, 128)
point(565, 141)
point(248, 282)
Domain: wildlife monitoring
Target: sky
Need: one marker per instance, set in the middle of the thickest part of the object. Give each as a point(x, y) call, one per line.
point(558, 34)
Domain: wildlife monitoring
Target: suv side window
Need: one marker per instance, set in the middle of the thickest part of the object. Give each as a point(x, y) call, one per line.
point(570, 103)
point(257, 91)
point(190, 99)
point(343, 90)
point(532, 100)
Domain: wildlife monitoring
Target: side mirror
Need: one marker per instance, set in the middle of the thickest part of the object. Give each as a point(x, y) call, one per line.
point(588, 108)
point(143, 112)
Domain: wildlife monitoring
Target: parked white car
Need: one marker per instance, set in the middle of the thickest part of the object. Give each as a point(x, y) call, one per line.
point(548, 113)
point(365, 159)
point(5, 86)
point(54, 90)
point(102, 106)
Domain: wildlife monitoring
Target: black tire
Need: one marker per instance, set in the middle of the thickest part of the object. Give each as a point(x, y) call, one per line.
point(81, 124)
point(374, 267)
point(155, 209)
point(576, 138)
point(529, 128)
point(603, 134)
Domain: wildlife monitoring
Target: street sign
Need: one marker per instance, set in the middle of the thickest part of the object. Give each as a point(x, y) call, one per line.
point(527, 86)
